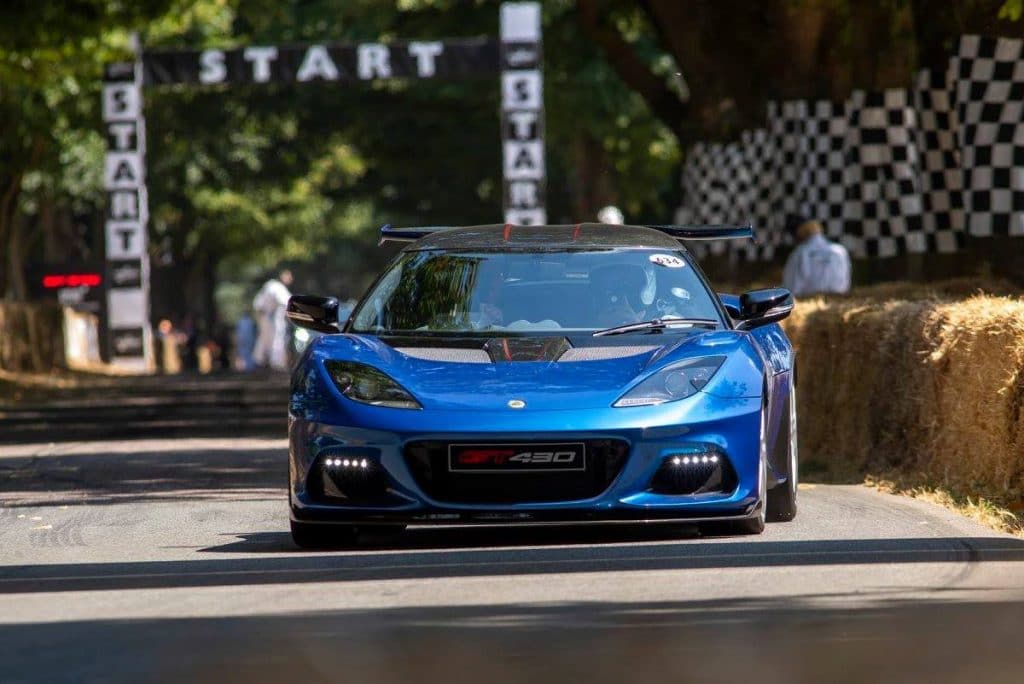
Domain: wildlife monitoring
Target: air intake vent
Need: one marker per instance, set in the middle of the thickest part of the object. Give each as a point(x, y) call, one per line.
point(448, 354)
point(603, 353)
point(697, 471)
point(343, 478)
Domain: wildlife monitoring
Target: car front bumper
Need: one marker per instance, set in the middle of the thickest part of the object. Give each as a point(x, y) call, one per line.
point(652, 435)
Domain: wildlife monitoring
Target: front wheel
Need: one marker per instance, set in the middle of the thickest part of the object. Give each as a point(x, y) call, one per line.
point(782, 499)
point(312, 536)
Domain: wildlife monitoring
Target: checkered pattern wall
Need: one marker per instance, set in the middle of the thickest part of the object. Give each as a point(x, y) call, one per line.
point(988, 78)
point(901, 171)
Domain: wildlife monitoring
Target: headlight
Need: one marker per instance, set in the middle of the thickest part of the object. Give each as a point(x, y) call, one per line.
point(368, 385)
point(678, 381)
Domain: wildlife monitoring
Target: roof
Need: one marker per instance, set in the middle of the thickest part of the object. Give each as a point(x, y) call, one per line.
point(543, 238)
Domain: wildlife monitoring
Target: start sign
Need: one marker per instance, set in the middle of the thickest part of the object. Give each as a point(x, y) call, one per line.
point(515, 58)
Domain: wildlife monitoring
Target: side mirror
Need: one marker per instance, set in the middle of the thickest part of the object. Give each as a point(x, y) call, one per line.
point(314, 313)
point(761, 307)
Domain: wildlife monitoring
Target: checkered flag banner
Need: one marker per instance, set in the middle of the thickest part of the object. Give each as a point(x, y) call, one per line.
point(901, 171)
point(721, 177)
point(942, 178)
point(882, 209)
point(989, 102)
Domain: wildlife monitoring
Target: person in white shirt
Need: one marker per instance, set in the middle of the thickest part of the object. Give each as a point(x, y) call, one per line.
point(269, 306)
point(817, 265)
point(611, 215)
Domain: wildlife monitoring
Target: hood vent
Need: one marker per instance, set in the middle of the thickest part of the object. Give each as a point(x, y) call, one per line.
point(448, 354)
point(511, 349)
point(603, 353)
point(506, 350)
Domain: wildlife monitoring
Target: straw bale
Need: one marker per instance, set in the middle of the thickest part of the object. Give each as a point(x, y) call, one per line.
point(928, 385)
point(977, 365)
point(952, 288)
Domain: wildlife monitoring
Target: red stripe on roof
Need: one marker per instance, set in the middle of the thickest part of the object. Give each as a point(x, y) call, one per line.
point(508, 231)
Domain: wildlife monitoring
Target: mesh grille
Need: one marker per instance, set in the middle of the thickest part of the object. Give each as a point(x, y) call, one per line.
point(449, 354)
point(602, 353)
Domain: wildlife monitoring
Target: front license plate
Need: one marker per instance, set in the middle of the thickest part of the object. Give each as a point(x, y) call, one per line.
point(517, 458)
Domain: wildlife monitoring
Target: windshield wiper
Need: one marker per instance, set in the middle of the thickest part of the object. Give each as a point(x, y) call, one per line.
point(658, 324)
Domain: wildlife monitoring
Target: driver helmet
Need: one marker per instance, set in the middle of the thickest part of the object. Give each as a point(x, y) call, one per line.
point(629, 281)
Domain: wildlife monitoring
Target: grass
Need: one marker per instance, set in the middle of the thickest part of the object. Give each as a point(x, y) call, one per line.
point(1004, 515)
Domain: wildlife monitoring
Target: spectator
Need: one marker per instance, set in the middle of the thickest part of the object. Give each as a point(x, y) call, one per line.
point(817, 265)
point(269, 305)
point(245, 343)
point(169, 342)
point(610, 215)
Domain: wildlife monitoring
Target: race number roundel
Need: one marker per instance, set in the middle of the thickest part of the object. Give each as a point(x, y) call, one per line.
point(667, 260)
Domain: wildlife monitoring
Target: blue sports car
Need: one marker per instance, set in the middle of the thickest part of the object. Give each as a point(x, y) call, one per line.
point(543, 375)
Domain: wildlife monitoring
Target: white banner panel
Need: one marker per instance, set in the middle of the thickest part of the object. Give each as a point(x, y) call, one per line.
point(122, 170)
point(128, 307)
point(125, 240)
point(121, 102)
point(522, 114)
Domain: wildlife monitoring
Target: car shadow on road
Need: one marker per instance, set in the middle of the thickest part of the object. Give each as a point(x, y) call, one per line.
point(91, 475)
point(468, 537)
point(440, 561)
point(814, 638)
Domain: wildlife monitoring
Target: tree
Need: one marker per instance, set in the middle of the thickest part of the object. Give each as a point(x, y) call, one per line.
point(737, 55)
point(50, 57)
point(242, 179)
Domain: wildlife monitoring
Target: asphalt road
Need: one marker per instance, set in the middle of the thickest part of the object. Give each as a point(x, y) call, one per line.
point(171, 561)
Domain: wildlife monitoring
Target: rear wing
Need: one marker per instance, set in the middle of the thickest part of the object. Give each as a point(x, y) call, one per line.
point(389, 233)
point(716, 232)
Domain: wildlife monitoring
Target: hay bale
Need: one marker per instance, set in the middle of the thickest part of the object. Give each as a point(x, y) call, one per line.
point(953, 288)
point(858, 379)
point(977, 367)
point(926, 385)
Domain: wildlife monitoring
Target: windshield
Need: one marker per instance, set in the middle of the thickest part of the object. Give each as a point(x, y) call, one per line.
point(534, 292)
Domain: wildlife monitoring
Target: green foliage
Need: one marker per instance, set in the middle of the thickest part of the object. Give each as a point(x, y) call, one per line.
point(249, 177)
point(286, 172)
point(1012, 10)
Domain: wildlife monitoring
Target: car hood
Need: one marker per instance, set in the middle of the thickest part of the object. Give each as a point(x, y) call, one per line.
point(573, 377)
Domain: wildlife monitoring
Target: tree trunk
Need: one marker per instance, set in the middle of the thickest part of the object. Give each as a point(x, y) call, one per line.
point(17, 288)
point(592, 186)
point(737, 55)
point(8, 204)
point(54, 244)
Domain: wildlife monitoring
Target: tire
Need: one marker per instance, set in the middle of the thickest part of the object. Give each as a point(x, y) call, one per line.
point(782, 499)
point(311, 536)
